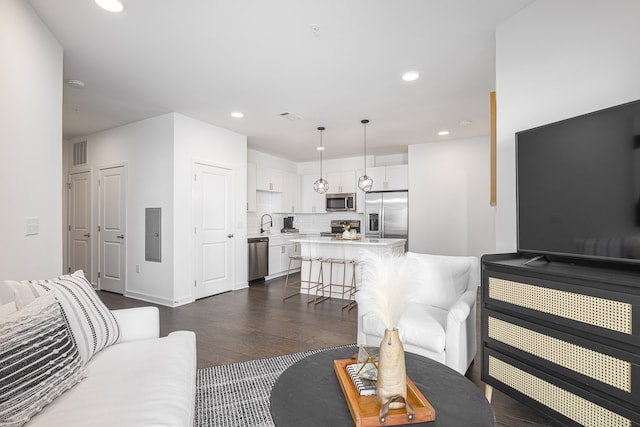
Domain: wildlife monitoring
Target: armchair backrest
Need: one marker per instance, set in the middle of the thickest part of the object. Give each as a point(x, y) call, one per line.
point(440, 280)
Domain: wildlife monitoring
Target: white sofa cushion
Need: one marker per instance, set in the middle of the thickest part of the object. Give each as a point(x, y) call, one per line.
point(38, 360)
point(140, 383)
point(439, 280)
point(92, 324)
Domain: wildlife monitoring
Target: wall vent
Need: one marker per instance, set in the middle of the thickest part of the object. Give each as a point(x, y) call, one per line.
point(80, 153)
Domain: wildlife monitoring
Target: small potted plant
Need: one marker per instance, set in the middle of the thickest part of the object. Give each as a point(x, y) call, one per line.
point(345, 231)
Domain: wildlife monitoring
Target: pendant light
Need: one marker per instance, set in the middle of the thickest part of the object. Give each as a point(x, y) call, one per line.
point(365, 182)
point(321, 185)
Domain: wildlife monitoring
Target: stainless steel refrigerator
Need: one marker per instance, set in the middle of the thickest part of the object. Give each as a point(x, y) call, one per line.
point(387, 215)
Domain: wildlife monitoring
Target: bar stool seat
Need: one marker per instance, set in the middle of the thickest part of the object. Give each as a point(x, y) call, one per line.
point(303, 283)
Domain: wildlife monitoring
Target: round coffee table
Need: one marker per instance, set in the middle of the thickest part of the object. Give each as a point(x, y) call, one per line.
point(308, 393)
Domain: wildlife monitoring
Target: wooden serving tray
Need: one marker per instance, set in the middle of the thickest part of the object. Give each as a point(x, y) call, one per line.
point(365, 410)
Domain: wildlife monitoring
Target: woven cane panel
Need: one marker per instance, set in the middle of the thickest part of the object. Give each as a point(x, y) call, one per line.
point(605, 313)
point(568, 404)
point(602, 367)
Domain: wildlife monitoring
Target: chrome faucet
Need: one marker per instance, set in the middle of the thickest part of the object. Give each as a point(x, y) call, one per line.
point(263, 223)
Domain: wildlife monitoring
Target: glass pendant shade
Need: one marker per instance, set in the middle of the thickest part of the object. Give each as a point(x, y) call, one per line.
point(321, 186)
point(365, 182)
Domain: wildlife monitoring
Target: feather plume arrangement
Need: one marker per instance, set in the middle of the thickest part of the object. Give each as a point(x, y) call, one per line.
point(386, 287)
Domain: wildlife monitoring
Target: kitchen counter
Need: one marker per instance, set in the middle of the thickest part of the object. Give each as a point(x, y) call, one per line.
point(325, 248)
point(363, 241)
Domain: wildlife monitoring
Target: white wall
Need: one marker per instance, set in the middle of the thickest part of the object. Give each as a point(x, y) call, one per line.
point(199, 141)
point(30, 144)
point(556, 60)
point(449, 210)
point(146, 150)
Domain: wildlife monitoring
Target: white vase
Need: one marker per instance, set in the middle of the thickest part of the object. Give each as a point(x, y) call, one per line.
point(346, 234)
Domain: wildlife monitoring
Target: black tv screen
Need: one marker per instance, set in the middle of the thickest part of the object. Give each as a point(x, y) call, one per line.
point(578, 186)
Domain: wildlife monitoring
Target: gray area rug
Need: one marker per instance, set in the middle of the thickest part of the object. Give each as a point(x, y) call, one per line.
point(237, 395)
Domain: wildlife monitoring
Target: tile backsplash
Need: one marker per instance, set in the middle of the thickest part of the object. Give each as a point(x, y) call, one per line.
point(308, 223)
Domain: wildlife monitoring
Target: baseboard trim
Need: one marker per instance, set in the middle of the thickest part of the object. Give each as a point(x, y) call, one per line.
point(156, 300)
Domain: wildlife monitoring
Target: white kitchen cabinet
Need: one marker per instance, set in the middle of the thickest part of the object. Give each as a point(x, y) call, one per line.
point(269, 179)
point(312, 202)
point(280, 249)
point(251, 187)
point(291, 193)
point(389, 177)
point(342, 182)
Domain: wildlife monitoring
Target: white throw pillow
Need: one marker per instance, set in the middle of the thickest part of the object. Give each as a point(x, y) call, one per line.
point(38, 360)
point(439, 280)
point(92, 324)
point(7, 308)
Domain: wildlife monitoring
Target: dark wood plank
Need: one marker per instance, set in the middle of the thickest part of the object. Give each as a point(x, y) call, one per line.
point(255, 323)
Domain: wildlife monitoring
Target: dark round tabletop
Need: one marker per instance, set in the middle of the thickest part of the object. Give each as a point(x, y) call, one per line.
point(308, 393)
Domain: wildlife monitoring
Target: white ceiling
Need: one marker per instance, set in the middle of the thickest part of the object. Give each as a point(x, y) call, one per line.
point(207, 58)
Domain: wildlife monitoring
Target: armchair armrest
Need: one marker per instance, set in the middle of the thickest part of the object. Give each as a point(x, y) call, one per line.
point(461, 309)
point(138, 323)
point(461, 332)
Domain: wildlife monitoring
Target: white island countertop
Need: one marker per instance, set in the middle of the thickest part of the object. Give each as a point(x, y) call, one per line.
point(364, 241)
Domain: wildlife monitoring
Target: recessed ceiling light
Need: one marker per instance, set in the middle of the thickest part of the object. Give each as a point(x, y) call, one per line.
point(110, 5)
point(443, 133)
point(410, 76)
point(237, 114)
point(75, 83)
point(320, 148)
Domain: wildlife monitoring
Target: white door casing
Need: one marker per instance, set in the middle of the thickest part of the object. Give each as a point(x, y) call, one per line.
point(213, 216)
point(79, 242)
point(112, 229)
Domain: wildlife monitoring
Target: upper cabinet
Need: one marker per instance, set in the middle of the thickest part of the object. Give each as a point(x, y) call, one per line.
point(291, 193)
point(342, 182)
point(269, 179)
point(251, 187)
point(312, 202)
point(389, 177)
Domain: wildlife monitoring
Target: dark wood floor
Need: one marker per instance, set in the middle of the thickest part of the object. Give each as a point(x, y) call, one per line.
point(254, 323)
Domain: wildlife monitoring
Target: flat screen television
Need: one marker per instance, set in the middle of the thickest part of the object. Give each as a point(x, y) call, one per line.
point(578, 187)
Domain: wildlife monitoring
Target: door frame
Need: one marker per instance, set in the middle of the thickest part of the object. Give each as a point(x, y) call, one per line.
point(232, 251)
point(98, 201)
point(92, 222)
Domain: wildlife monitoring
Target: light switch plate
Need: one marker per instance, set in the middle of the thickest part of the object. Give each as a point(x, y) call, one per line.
point(32, 226)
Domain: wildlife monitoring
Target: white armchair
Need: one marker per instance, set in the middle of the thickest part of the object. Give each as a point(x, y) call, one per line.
point(440, 319)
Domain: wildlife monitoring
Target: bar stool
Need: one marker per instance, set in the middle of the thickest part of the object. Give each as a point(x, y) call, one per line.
point(351, 302)
point(341, 284)
point(306, 284)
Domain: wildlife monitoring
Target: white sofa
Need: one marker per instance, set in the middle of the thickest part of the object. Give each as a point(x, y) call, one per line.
point(440, 319)
point(141, 380)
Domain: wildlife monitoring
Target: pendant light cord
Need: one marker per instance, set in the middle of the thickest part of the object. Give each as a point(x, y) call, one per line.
point(364, 122)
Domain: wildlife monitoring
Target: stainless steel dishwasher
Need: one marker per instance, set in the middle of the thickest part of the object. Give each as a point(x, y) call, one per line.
point(258, 257)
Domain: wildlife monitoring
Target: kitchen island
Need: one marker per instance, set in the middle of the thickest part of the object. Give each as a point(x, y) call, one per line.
point(331, 251)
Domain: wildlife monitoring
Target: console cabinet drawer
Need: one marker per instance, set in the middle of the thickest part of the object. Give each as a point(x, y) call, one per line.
point(569, 404)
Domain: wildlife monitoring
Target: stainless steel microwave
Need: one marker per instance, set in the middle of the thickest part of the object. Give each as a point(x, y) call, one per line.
point(340, 202)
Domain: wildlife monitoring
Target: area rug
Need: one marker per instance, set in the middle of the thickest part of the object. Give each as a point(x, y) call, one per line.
point(237, 395)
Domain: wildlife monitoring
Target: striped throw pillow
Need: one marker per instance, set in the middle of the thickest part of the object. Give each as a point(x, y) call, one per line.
point(92, 324)
point(38, 360)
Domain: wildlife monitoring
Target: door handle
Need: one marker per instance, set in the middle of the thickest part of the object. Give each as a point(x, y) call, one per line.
point(120, 236)
point(87, 235)
point(229, 235)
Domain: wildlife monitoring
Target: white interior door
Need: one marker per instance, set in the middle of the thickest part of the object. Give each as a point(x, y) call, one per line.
point(212, 209)
point(112, 227)
point(79, 241)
